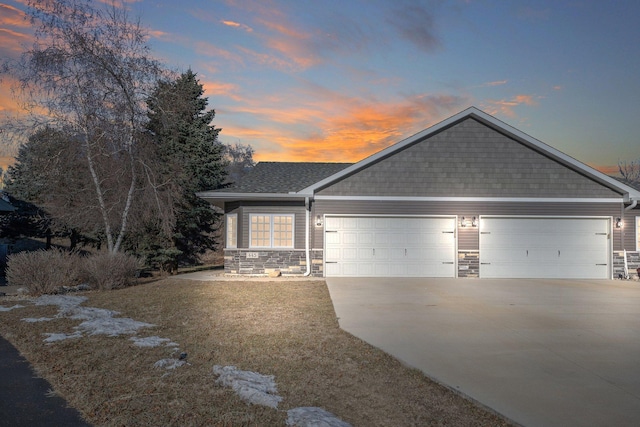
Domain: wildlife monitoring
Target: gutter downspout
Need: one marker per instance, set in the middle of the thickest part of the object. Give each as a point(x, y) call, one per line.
point(633, 204)
point(307, 209)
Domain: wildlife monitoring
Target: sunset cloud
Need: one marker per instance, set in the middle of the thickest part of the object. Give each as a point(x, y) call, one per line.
point(329, 126)
point(11, 16)
point(507, 107)
point(495, 83)
point(237, 25)
point(12, 41)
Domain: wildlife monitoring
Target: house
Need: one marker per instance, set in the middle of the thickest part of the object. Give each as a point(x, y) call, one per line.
point(468, 197)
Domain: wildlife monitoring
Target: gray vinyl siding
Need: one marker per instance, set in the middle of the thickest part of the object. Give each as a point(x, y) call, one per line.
point(246, 209)
point(469, 159)
point(630, 230)
point(468, 236)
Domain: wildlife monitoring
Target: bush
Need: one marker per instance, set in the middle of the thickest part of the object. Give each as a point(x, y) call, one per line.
point(107, 271)
point(44, 272)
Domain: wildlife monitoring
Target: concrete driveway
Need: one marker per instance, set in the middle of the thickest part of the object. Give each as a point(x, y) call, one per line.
point(540, 352)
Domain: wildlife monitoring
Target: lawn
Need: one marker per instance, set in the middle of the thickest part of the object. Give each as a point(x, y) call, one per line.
point(287, 329)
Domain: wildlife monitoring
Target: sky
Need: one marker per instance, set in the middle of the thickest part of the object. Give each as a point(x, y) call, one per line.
point(338, 80)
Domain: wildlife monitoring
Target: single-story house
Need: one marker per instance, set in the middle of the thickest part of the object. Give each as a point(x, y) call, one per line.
point(468, 197)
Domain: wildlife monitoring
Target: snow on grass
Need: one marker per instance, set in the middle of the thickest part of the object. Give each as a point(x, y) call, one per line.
point(169, 363)
point(53, 337)
point(2, 308)
point(96, 321)
point(152, 342)
point(313, 417)
point(252, 387)
point(37, 319)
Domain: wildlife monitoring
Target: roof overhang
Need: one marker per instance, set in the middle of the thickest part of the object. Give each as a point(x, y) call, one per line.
point(220, 198)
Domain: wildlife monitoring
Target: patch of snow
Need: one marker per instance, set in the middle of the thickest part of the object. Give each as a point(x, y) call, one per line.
point(152, 342)
point(37, 319)
point(91, 313)
point(61, 337)
point(313, 417)
point(111, 326)
point(2, 308)
point(97, 321)
point(169, 363)
point(252, 387)
point(64, 302)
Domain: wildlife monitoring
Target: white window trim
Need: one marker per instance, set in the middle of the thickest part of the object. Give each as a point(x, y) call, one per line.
point(271, 245)
point(235, 231)
point(637, 233)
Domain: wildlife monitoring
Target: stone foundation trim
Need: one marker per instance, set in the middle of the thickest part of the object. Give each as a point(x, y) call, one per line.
point(469, 263)
point(288, 262)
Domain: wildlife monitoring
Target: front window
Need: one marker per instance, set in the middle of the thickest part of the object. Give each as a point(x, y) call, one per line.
point(232, 230)
point(271, 231)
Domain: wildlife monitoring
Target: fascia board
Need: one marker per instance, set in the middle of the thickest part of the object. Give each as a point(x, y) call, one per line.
point(471, 199)
point(214, 195)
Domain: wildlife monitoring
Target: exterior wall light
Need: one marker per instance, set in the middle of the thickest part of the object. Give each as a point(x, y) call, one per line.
point(462, 223)
point(318, 221)
point(474, 222)
point(618, 222)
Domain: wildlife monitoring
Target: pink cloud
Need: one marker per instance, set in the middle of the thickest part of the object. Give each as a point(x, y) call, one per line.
point(507, 106)
point(237, 25)
point(12, 16)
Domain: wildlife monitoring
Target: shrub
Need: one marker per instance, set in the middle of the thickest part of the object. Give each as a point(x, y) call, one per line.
point(107, 271)
point(44, 272)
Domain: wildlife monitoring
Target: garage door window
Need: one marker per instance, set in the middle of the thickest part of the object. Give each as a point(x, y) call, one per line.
point(271, 231)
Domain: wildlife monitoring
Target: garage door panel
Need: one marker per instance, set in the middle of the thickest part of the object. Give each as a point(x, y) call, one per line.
point(544, 248)
point(391, 246)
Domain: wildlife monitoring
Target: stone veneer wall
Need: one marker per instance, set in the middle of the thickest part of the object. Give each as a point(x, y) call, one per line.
point(289, 262)
point(468, 264)
point(633, 263)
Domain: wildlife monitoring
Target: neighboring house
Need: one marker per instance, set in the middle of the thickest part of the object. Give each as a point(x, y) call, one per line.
point(468, 197)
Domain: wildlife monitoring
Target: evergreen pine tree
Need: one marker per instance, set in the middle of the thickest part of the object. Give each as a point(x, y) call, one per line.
point(189, 159)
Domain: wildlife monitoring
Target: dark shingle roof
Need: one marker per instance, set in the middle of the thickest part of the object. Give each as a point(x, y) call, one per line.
point(283, 177)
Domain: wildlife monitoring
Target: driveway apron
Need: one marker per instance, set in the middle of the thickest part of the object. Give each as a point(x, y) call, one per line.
point(540, 352)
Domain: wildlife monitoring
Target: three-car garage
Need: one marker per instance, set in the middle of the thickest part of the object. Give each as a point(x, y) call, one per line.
point(509, 246)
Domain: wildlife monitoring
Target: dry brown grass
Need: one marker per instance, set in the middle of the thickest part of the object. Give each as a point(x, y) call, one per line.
point(286, 329)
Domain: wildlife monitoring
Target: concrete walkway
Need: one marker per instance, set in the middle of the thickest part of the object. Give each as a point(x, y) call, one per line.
point(541, 352)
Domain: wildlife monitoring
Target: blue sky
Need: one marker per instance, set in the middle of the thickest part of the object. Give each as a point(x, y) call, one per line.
point(332, 80)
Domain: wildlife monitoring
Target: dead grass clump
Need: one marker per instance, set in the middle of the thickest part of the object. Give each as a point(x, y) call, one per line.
point(43, 272)
point(106, 271)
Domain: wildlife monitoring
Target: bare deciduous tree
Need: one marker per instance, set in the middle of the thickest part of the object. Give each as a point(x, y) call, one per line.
point(630, 172)
point(88, 74)
point(239, 158)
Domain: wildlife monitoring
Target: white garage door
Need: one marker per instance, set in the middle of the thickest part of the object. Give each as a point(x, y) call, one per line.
point(390, 247)
point(575, 248)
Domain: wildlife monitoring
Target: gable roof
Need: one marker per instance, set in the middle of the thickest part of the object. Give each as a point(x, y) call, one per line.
point(487, 119)
point(288, 180)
